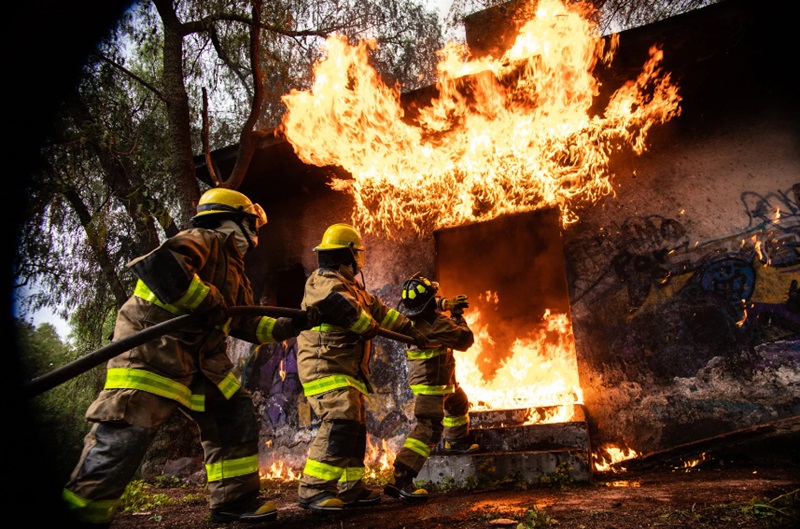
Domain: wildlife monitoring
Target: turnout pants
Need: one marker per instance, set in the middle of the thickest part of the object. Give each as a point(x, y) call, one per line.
point(125, 424)
point(436, 416)
point(335, 463)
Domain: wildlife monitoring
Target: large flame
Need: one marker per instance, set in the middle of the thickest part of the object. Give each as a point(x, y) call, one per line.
point(504, 135)
point(541, 371)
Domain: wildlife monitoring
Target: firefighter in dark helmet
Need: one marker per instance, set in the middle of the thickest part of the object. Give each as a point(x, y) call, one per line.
point(333, 365)
point(440, 404)
point(198, 271)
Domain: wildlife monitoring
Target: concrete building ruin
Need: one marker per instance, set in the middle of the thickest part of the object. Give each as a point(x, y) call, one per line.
point(681, 288)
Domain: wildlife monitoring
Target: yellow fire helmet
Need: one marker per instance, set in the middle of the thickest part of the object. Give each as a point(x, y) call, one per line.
point(220, 200)
point(339, 236)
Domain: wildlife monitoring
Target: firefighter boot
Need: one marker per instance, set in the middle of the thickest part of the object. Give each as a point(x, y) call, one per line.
point(364, 498)
point(249, 511)
point(401, 485)
point(322, 502)
point(461, 446)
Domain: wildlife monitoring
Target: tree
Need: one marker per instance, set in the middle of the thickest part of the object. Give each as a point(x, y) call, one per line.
point(59, 412)
point(613, 15)
point(174, 79)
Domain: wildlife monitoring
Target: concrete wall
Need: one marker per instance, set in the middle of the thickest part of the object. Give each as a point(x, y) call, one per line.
point(679, 284)
point(684, 313)
point(683, 329)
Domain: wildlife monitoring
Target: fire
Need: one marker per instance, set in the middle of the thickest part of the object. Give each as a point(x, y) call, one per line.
point(278, 471)
point(623, 484)
point(606, 457)
point(540, 371)
point(691, 463)
point(378, 460)
point(507, 134)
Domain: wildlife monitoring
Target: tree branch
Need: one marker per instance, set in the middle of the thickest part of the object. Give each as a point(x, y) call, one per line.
point(250, 136)
point(132, 75)
point(212, 170)
point(226, 59)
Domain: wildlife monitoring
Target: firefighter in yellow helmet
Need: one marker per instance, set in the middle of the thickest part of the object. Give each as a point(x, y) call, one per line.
point(333, 366)
point(198, 271)
point(440, 404)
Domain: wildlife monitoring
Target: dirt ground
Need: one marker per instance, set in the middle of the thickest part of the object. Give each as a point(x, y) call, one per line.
point(715, 494)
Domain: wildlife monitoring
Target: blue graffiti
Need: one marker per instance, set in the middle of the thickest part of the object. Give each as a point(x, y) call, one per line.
point(775, 220)
point(774, 210)
point(729, 276)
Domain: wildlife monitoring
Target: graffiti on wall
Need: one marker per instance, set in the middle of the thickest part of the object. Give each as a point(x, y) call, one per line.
point(287, 422)
point(663, 306)
point(271, 374)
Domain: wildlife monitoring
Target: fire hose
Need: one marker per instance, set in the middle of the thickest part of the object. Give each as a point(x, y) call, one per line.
point(85, 363)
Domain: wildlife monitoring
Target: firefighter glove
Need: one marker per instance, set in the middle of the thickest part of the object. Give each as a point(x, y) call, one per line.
point(420, 340)
point(313, 317)
point(455, 305)
point(285, 328)
point(300, 321)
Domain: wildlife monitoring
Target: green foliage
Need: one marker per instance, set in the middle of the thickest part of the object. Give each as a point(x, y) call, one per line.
point(535, 519)
point(516, 481)
point(782, 511)
point(139, 497)
point(448, 484)
point(560, 477)
point(58, 412)
point(167, 482)
point(194, 497)
point(378, 478)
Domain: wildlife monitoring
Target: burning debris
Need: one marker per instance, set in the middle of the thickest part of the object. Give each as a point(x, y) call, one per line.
point(505, 134)
point(607, 458)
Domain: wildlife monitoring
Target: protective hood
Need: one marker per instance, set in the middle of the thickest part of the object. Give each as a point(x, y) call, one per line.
point(230, 227)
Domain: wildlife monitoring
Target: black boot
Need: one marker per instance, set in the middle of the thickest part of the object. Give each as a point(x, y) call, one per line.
point(250, 511)
point(461, 446)
point(401, 485)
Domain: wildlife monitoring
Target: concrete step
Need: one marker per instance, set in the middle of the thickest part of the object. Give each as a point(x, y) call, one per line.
point(512, 450)
point(501, 431)
point(491, 468)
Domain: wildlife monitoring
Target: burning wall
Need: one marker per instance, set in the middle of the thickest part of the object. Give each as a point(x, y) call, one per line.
point(678, 265)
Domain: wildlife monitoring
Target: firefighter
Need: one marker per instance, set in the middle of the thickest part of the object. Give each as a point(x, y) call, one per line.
point(200, 271)
point(440, 405)
point(333, 365)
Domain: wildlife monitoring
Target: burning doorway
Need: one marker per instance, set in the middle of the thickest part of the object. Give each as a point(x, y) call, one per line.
point(512, 269)
point(521, 375)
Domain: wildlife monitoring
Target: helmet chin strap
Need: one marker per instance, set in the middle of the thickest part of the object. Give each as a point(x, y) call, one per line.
point(355, 261)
